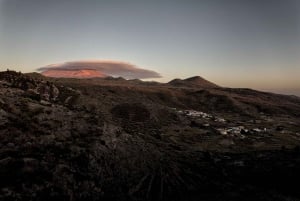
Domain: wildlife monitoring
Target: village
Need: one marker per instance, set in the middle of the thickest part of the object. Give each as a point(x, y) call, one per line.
point(222, 126)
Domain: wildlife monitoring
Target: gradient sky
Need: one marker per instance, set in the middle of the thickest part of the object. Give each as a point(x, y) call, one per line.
point(234, 43)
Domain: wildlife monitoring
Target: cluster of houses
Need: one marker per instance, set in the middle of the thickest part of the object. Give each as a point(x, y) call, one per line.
point(197, 114)
point(239, 131)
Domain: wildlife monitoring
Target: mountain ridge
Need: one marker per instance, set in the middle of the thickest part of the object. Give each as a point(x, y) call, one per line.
point(192, 82)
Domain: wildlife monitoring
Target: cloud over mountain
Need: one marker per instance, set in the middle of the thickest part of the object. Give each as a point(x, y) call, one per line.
point(97, 69)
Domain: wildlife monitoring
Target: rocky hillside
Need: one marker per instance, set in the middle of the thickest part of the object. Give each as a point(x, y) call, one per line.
point(113, 139)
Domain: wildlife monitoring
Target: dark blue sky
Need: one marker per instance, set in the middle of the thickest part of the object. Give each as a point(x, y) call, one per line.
point(238, 43)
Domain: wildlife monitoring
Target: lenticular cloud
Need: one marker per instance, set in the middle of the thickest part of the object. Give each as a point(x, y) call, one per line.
point(86, 69)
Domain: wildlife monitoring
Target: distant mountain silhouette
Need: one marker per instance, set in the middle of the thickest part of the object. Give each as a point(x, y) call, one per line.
point(195, 81)
point(85, 73)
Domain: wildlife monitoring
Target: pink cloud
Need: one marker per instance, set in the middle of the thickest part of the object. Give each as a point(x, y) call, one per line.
point(94, 68)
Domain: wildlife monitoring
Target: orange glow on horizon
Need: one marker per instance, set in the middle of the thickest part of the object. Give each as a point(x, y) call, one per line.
point(74, 73)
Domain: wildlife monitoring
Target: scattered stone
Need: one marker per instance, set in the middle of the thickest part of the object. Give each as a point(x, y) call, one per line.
point(257, 130)
point(5, 161)
point(30, 165)
point(226, 142)
point(279, 128)
point(222, 131)
point(46, 103)
point(10, 145)
point(239, 163)
point(1, 102)
point(28, 144)
point(221, 120)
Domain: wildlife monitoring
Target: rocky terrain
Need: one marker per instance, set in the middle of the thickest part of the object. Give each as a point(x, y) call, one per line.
point(116, 139)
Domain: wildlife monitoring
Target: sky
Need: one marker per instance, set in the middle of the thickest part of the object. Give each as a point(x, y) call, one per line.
point(233, 43)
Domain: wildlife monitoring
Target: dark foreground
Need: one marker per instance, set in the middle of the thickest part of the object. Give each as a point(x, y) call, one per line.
point(112, 139)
